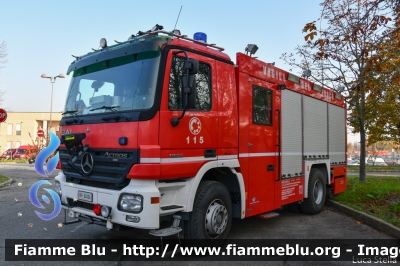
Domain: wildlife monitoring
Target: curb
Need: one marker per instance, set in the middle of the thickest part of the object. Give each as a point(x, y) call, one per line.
point(367, 219)
point(7, 183)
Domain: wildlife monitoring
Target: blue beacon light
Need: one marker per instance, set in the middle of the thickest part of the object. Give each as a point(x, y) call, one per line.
point(200, 36)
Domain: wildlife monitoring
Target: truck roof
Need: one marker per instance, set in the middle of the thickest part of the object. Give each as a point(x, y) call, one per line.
point(156, 40)
point(275, 75)
point(151, 41)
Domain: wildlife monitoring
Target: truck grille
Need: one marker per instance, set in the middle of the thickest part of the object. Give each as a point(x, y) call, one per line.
point(106, 169)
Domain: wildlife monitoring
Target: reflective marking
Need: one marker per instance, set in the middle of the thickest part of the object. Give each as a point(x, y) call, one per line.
point(261, 154)
point(150, 160)
point(222, 157)
point(186, 159)
point(291, 153)
point(227, 157)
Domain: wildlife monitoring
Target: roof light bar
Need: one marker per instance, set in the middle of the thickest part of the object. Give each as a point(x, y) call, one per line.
point(200, 36)
point(177, 34)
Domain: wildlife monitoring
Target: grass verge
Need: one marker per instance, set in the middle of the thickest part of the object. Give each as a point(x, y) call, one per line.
point(378, 196)
point(3, 160)
point(375, 168)
point(3, 179)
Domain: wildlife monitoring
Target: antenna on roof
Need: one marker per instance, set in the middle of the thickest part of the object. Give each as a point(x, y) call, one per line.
point(178, 17)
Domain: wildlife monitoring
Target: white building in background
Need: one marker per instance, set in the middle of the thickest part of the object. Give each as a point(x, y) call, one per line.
point(21, 128)
point(353, 137)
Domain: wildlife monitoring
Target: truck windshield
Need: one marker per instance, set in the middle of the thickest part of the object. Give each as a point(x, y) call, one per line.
point(126, 83)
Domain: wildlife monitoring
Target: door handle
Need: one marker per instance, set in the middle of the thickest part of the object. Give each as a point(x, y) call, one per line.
point(210, 153)
point(270, 167)
point(249, 145)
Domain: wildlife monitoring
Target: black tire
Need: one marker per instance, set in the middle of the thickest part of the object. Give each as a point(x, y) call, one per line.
point(329, 193)
point(211, 217)
point(316, 193)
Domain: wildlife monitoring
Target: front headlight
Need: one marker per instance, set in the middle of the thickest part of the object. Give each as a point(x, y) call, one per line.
point(57, 188)
point(130, 203)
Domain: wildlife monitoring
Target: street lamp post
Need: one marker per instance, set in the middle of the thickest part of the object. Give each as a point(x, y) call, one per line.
point(52, 80)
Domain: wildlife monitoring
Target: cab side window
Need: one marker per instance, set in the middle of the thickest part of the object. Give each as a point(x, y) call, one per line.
point(262, 106)
point(203, 86)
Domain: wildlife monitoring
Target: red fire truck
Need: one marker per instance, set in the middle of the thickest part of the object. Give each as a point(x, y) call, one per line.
point(163, 127)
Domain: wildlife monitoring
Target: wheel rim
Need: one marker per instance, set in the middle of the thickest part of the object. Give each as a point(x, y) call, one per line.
point(216, 219)
point(318, 192)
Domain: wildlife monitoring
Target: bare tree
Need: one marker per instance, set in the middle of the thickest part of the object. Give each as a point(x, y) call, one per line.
point(341, 55)
point(3, 54)
point(350, 148)
point(3, 61)
point(356, 148)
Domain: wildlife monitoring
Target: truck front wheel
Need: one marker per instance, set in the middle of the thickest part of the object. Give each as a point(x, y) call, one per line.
point(211, 217)
point(316, 193)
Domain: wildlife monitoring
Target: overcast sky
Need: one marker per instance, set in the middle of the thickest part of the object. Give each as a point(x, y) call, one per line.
point(42, 35)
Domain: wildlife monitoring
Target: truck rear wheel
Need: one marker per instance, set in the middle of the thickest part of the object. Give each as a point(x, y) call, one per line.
point(211, 217)
point(316, 193)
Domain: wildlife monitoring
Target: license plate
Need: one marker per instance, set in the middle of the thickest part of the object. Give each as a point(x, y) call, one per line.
point(86, 196)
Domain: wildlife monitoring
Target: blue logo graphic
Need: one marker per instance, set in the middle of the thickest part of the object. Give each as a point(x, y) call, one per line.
point(35, 201)
point(45, 153)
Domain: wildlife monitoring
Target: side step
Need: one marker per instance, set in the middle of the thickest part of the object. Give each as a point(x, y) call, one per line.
point(268, 215)
point(174, 229)
point(172, 207)
point(165, 231)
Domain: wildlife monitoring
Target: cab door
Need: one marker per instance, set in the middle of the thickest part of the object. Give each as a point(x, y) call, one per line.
point(262, 150)
point(193, 142)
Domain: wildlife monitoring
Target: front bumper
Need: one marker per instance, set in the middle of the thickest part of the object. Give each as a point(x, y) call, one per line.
point(149, 216)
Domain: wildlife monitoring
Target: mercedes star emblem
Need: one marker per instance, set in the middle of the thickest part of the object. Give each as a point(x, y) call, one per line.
point(87, 163)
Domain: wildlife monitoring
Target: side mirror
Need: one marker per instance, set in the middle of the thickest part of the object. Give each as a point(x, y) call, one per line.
point(189, 91)
point(190, 68)
point(192, 65)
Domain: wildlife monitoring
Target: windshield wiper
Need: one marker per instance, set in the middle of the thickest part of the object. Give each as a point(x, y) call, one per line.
point(111, 108)
point(76, 120)
point(73, 112)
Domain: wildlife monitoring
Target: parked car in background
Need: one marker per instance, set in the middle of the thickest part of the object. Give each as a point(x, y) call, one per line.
point(392, 159)
point(8, 154)
point(375, 161)
point(25, 152)
point(354, 162)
